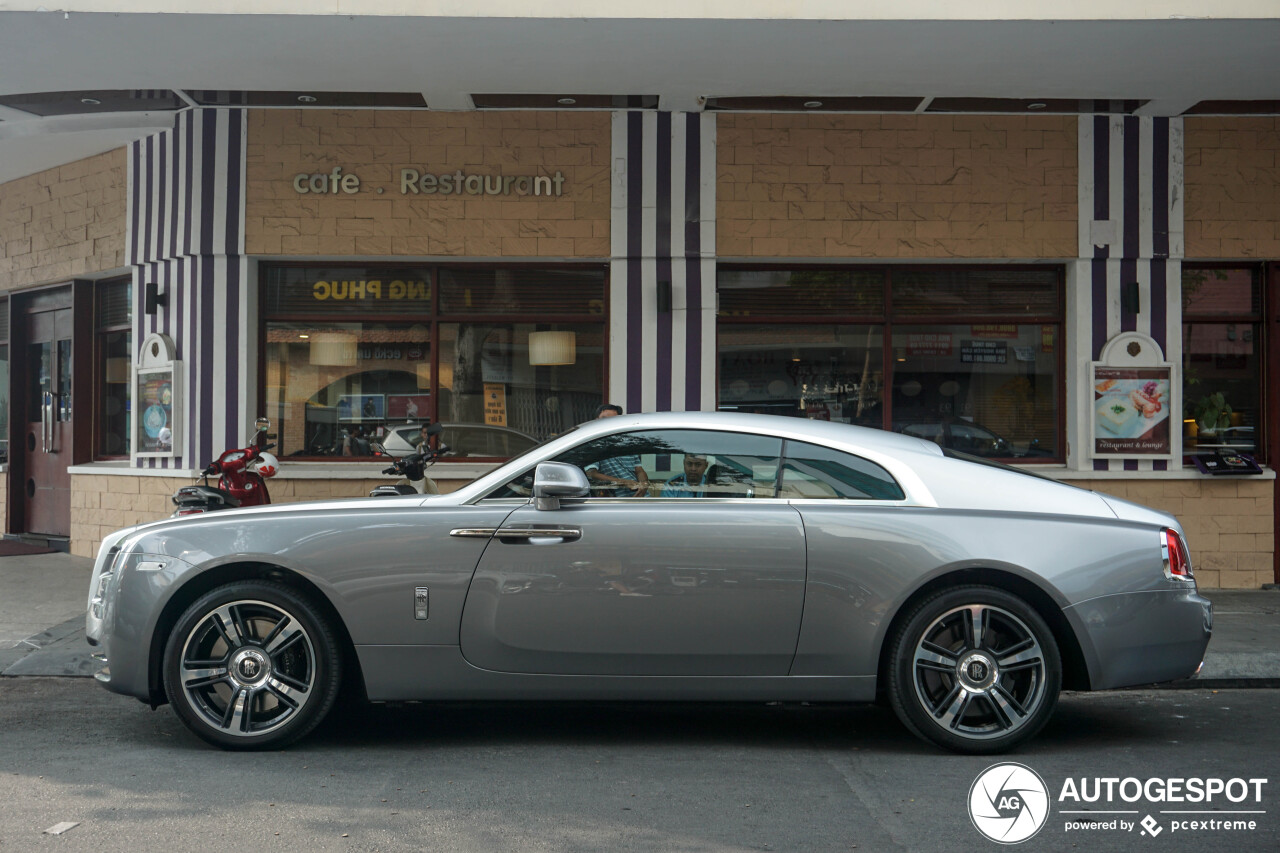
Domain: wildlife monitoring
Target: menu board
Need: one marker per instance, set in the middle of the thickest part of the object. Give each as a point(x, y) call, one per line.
point(1132, 414)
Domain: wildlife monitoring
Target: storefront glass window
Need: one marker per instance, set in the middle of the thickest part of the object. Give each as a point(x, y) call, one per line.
point(1222, 359)
point(984, 389)
point(969, 358)
point(333, 388)
point(817, 371)
point(115, 362)
point(496, 374)
point(504, 357)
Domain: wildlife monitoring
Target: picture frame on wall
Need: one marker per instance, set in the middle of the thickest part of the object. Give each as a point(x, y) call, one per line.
point(1135, 406)
point(157, 400)
point(357, 408)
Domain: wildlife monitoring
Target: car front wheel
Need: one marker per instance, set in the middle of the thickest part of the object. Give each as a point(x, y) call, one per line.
point(974, 669)
point(251, 665)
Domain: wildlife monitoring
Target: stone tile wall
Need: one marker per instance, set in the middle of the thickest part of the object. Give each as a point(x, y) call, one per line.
point(896, 186)
point(1232, 180)
point(376, 144)
point(63, 222)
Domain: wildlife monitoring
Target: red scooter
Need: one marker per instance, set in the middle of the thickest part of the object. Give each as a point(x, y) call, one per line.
point(242, 474)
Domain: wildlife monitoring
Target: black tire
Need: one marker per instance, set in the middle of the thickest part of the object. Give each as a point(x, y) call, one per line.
point(974, 690)
point(252, 665)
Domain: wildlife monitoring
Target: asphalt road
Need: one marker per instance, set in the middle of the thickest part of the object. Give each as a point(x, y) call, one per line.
point(596, 777)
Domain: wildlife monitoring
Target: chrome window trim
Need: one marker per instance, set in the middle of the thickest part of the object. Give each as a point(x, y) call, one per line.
point(917, 494)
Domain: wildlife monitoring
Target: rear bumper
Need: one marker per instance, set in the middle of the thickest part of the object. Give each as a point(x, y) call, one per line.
point(1142, 637)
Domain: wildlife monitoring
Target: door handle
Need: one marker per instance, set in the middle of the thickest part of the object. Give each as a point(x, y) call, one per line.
point(527, 533)
point(46, 422)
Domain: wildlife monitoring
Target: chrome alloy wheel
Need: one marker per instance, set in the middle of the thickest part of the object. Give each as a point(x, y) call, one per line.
point(979, 671)
point(248, 668)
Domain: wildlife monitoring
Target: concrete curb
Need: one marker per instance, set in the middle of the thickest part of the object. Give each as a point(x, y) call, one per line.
point(61, 651)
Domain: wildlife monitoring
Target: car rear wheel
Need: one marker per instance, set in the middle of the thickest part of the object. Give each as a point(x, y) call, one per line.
point(251, 665)
point(974, 669)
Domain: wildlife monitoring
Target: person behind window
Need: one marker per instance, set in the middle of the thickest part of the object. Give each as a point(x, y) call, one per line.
point(422, 437)
point(693, 482)
point(625, 472)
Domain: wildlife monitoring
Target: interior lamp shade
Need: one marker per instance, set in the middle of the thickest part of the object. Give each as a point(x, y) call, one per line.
point(547, 348)
point(336, 349)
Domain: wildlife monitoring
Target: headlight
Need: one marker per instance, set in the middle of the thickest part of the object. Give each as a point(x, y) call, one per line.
point(97, 601)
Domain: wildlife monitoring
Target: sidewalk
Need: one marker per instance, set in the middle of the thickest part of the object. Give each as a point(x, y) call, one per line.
point(42, 601)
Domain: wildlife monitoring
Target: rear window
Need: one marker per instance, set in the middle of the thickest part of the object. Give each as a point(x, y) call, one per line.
point(813, 472)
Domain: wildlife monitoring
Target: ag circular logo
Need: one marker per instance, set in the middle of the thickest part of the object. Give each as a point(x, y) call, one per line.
point(1008, 803)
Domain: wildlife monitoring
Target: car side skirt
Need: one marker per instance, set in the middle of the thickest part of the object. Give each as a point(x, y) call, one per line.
point(400, 673)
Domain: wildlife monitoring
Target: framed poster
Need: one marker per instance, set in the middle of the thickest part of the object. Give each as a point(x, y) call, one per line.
point(408, 407)
point(1131, 411)
point(157, 399)
point(355, 408)
point(1134, 402)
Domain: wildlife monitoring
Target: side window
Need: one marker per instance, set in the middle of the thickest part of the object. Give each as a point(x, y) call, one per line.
point(816, 472)
point(679, 464)
point(670, 464)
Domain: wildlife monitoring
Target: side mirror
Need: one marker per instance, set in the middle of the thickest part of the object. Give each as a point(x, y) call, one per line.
point(261, 425)
point(555, 480)
point(435, 429)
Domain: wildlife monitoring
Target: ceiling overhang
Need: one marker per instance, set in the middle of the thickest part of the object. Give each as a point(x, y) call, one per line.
point(1167, 66)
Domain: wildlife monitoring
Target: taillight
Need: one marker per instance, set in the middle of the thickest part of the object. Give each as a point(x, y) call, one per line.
point(1177, 560)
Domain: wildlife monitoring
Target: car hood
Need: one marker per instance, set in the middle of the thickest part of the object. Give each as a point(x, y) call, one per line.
point(263, 513)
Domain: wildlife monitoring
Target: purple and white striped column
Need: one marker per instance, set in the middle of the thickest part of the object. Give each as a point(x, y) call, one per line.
point(186, 234)
point(1130, 193)
point(663, 230)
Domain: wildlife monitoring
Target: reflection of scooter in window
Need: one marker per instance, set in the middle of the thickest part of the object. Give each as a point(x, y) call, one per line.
point(412, 469)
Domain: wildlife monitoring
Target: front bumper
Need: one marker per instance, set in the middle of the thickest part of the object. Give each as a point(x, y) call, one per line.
point(126, 595)
point(1139, 638)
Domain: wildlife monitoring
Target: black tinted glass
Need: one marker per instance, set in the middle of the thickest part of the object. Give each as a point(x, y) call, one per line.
point(811, 471)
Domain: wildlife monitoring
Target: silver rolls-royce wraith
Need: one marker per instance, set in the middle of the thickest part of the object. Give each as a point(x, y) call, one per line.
point(661, 557)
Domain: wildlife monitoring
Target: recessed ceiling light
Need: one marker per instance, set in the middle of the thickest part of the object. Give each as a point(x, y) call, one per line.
point(568, 102)
point(304, 336)
point(1036, 105)
point(93, 102)
point(812, 105)
point(306, 99)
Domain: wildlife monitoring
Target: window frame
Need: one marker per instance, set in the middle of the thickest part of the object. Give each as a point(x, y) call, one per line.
point(887, 319)
point(784, 443)
point(100, 333)
point(1257, 319)
point(432, 320)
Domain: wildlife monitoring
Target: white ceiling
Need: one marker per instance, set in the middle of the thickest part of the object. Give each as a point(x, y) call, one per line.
point(1172, 63)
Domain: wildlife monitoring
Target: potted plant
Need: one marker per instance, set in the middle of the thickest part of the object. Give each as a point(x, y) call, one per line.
point(1211, 413)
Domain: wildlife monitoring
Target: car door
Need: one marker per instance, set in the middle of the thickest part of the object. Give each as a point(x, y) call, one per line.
point(695, 585)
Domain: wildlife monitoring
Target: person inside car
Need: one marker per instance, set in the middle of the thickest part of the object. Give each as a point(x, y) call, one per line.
point(693, 482)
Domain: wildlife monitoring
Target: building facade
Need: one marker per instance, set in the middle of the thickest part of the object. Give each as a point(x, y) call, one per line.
point(1081, 293)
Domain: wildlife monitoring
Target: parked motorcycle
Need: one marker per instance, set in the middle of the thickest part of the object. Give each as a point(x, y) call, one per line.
point(242, 478)
point(412, 469)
